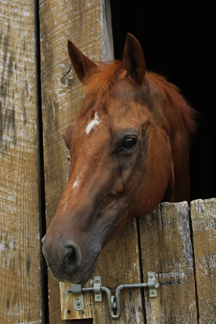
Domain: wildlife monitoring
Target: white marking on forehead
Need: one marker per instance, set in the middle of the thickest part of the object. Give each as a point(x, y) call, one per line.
point(92, 124)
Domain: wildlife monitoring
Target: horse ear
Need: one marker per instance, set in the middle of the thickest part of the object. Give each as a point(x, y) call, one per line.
point(81, 63)
point(134, 60)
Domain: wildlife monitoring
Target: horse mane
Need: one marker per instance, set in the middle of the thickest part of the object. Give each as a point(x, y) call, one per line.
point(102, 79)
point(173, 93)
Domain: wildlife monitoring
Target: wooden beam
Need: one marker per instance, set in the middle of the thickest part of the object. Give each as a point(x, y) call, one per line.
point(20, 280)
point(119, 264)
point(203, 215)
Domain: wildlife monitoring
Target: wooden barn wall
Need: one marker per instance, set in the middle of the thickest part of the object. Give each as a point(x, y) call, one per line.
point(175, 241)
point(20, 269)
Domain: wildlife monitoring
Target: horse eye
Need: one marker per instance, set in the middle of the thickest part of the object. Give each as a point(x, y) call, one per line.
point(129, 143)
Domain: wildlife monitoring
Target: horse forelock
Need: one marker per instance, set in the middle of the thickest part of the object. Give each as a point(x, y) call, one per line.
point(101, 81)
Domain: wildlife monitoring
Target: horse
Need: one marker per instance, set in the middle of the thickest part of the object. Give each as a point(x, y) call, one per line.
point(129, 147)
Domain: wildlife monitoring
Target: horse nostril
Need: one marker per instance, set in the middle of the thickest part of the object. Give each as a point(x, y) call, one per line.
point(72, 258)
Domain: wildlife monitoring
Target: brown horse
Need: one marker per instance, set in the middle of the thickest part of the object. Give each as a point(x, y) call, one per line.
point(129, 150)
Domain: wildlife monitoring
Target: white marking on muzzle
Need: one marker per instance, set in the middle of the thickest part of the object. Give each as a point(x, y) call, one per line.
point(79, 178)
point(76, 183)
point(92, 124)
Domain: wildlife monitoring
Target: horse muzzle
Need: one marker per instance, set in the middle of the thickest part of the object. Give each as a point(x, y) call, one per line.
point(75, 238)
point(66, 264)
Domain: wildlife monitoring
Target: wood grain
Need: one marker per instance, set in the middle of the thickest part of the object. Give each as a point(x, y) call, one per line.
point(119, 264)
point(87, 24)
point(20, 281)
point(167, 250)
point(203, 214)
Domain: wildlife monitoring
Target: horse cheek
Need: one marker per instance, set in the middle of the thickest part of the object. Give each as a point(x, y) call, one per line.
point(157, 170)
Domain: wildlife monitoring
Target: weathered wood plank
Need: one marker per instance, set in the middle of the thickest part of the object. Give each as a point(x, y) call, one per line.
point(87, 23)
point(119, 264)
point(20, 281)
point(167, 250)
point(203, 214)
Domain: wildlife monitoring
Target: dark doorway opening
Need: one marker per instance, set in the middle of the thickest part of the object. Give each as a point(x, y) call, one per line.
point(178, 39)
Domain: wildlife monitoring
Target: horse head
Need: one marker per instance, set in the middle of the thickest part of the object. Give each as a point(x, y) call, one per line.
point(129, 151)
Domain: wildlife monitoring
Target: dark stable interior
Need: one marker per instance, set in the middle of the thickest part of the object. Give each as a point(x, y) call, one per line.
point(178, 39)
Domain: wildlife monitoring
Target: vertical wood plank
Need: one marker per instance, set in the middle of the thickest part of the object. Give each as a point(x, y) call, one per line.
point(203, 214)
point(119, 264)
point(87, 24)
point(20, 281)
point(167, 250)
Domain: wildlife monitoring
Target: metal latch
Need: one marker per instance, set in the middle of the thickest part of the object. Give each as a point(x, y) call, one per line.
point(113, 301)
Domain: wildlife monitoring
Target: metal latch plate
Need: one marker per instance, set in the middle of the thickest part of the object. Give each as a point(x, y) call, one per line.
point(152, 280)
point(97, 289)
point(76, 290)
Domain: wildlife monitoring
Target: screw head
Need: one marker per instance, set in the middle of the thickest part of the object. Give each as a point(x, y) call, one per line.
point(150, 276)
point(78, 302)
